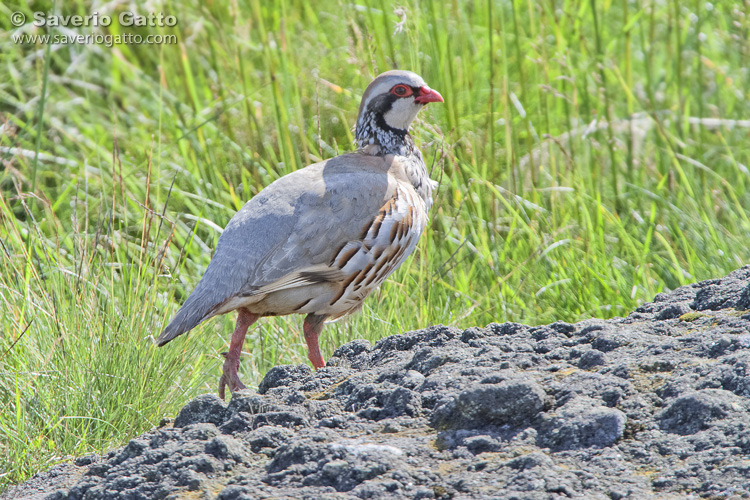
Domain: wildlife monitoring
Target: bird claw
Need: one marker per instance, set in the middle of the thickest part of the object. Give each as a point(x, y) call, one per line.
point(230, 378)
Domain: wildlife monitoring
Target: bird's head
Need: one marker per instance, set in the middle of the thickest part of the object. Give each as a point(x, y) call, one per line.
point(389, 105)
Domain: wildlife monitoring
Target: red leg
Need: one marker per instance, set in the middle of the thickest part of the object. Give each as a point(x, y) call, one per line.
point(312, 327)
point(229, 374)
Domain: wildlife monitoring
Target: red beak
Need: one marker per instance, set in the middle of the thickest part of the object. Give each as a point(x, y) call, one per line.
point(426, 94)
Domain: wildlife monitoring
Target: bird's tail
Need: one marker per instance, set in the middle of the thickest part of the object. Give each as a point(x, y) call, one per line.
point(192, 312)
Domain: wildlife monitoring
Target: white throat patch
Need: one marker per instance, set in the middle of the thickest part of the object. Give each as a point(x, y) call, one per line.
point(402, 113)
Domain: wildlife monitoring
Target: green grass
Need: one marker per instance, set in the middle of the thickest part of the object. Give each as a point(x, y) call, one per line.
point(587, 153)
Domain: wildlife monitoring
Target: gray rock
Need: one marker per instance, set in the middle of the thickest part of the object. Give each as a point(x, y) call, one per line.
point(730, 291)
point(695, 411)
point(279, 376)
point(507, 403)
point(207, 408)
point(651, 406)
point(592, 358)
point(341, 465)
point(581, 423)
point(673, 310)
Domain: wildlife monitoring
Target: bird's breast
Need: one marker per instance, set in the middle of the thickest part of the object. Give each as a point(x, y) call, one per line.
point(386, 242)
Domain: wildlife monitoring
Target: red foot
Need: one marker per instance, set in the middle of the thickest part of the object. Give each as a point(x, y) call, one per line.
point(230, 377)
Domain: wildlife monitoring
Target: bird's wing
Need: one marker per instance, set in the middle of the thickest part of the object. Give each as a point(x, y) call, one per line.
point(287, 234)
point(292, 229)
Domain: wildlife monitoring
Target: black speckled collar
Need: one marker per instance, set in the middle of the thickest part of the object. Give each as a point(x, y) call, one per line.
point(373, 130)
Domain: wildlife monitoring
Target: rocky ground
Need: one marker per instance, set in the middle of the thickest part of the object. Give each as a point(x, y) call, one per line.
point(654, 405)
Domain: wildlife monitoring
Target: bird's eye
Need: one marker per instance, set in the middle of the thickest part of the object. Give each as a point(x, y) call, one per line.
point(401, 90)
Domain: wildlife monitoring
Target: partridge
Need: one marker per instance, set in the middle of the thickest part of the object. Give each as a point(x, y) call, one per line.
point(318, 240)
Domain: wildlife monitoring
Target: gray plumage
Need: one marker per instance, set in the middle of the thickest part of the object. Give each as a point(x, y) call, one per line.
point(291, 226)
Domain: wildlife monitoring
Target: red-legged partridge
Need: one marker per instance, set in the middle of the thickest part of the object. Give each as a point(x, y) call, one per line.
point(319, 240)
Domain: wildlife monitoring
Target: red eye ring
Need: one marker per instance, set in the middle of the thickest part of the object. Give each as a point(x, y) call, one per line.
point(402, 90)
